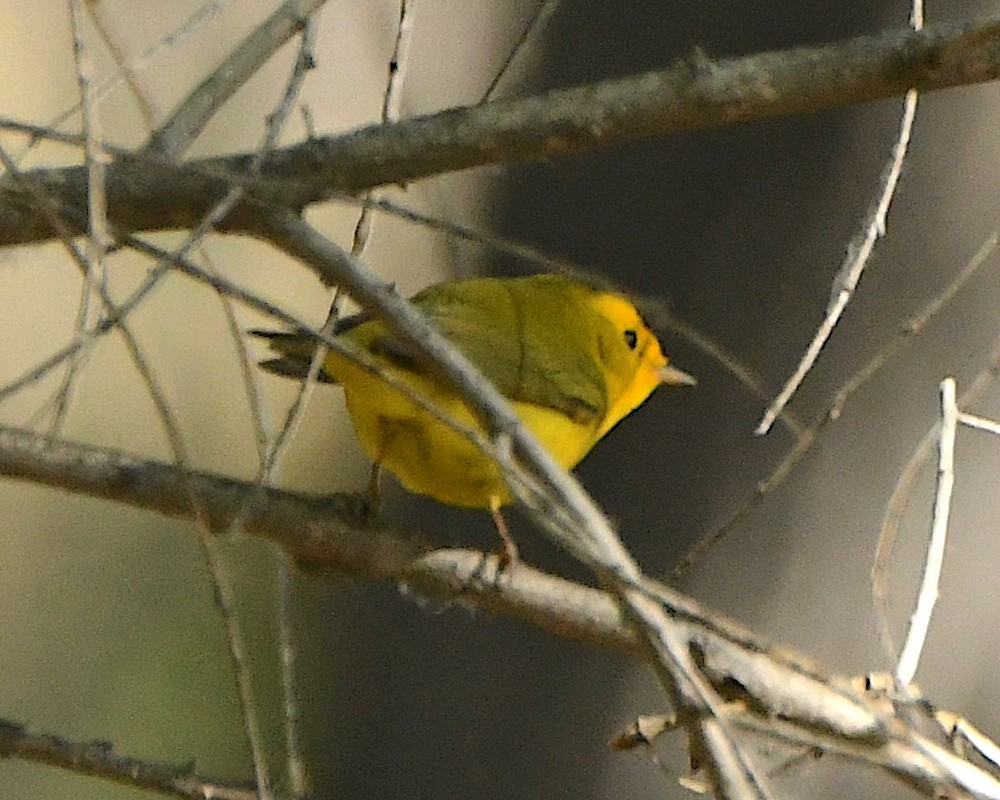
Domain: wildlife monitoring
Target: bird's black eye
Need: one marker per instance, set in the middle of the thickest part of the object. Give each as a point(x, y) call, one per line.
point(631, 339)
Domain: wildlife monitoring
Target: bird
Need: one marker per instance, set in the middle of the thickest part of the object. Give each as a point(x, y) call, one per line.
point(571, 356)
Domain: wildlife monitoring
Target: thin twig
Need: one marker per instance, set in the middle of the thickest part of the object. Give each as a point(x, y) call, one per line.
point(901, 494)
point(858, 252)
point(528, 39)
point(248, 369)
point(979, 423)
point(99, 759)
point(304, 61)
point(95, 247)
point(187, 121)
point(392, 101)
point(741, 372)
point(963, 735)
point(298, 779)
point(930, 582)
point(130, 69)
point(362, 233)
point(96, 160)
point(223, 590)
point(124, 67)
point(908, 331)
point(392, 98)
point(913, 327)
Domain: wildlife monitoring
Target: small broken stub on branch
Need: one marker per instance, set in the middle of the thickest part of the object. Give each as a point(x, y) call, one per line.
point(641, 732)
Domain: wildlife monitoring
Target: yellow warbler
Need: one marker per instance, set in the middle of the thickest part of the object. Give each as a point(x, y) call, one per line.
point(573, 359)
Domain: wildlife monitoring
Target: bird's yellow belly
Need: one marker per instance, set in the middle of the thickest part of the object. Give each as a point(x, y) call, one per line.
point(430, 458)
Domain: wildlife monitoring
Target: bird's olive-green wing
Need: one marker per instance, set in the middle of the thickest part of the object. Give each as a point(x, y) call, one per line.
point(530, 336)
point(562, 367)
point(475, 315)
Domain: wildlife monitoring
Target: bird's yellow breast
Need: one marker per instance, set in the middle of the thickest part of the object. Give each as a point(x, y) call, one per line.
point(428, 456)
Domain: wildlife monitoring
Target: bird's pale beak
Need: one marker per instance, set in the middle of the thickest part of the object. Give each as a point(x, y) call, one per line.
point(675, 377)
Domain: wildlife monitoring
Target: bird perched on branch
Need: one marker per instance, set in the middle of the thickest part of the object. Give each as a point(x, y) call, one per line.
point(572, 358)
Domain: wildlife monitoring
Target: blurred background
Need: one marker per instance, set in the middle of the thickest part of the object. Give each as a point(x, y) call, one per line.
point(107, 628)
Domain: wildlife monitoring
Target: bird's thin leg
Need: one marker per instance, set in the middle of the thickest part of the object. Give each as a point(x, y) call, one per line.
point(508, 550)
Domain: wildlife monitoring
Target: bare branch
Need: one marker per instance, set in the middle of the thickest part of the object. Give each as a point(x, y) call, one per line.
point(525, 46)
point(908, 331)
point(145, 193)
point(859, 251)
point(930, 582)
point(328, 533)
point(187, 121)
point(901, 496)
point(100, 760)
point(131, 69)
point(799, 703)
